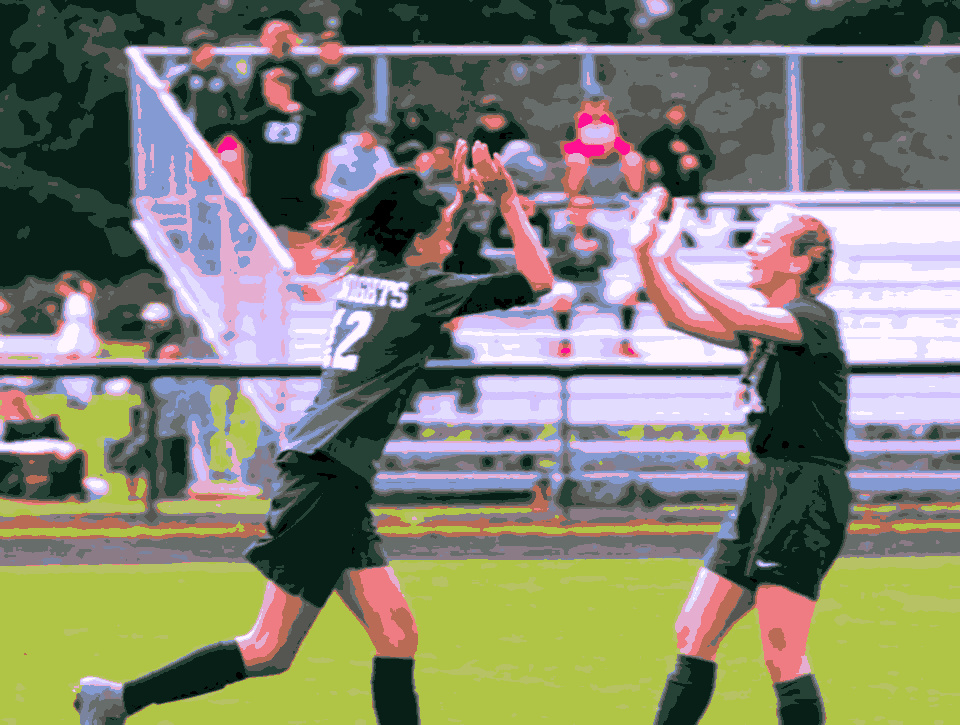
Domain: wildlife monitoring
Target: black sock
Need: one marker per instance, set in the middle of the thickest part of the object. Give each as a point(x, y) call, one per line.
point(394, 694)
point(687, 692)
point(208, 669)
point(799, 701)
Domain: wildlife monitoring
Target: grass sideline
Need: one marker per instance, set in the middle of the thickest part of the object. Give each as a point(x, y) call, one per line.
point(560, 642)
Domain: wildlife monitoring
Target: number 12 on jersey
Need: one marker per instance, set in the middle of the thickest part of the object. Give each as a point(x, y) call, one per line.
point(337, 351)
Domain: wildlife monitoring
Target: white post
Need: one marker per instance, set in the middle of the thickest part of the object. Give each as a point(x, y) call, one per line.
point(794, 123)
point(588, 75)
point(381, 89)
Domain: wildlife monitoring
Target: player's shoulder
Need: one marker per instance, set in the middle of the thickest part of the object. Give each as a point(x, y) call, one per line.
point(811, 308)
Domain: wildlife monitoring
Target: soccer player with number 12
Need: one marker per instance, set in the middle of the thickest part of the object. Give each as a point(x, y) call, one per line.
point(320, 536)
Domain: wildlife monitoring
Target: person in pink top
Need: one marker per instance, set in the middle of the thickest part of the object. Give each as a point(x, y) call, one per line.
point(598, 139)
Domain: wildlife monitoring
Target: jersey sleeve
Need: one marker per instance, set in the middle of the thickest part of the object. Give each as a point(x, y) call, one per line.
point(452, 295)
point(816, 325)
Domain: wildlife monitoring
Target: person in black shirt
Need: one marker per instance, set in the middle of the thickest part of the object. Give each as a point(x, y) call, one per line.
point(790, 523)
point(202, 88)
point(284, 140)
point(678, 156)
point(495, 126)
point(320, 536)
point(411, 135)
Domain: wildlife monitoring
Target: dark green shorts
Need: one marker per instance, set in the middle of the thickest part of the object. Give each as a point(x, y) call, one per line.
point(318, 526)
point(787, 529)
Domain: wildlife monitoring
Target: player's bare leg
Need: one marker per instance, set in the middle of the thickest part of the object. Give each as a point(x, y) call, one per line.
point(577, 167)
point(275, 638)
point(714, 606)
point(375, 598)
point(785, 618)
point(267, 649)
point(634, 171)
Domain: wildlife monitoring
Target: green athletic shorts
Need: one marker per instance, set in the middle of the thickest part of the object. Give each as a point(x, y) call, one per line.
point(318, 526)
point(787, 529)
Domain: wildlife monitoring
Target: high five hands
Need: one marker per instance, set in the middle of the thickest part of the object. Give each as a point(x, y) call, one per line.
point(488, 177)
point(658, 241)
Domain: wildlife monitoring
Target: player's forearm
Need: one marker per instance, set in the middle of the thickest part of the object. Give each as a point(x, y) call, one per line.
point(531, 256)
point(666, 300)
point(724, 308)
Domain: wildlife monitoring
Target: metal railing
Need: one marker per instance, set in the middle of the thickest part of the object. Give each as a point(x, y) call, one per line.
point(448, 374)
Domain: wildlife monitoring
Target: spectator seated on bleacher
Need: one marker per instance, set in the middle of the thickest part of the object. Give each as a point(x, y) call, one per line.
point(495, 126)
point(411, 135)
point(678, 156)
point(346, 171)
point(598, 154)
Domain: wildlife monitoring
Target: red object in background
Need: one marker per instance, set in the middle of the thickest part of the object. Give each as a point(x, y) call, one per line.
point(169, 352)
point(13, 406)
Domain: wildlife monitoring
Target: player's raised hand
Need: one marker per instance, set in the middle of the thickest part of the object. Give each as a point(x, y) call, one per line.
point(643, 229)
point(462, 174)
point(494, 180)
point(669, 240)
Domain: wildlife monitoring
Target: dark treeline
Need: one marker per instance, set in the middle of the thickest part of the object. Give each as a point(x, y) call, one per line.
point(64, 146)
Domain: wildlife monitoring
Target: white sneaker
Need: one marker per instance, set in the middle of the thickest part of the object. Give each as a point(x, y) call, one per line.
point(99, 702)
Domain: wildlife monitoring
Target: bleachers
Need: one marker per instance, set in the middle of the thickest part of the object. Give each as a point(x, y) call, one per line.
point(896, 288)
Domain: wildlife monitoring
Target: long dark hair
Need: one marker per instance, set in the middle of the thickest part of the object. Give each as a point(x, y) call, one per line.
point(389, 215)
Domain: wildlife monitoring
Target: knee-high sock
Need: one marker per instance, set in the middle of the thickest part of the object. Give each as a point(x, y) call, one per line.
point(394, 693)
point(799, 701)
point(687, 692)
point(208, 669)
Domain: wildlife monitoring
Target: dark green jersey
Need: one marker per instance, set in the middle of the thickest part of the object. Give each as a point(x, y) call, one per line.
point(797, 392)
point(385, 327)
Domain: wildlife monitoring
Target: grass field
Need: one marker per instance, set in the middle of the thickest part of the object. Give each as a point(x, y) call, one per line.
point(579, 641)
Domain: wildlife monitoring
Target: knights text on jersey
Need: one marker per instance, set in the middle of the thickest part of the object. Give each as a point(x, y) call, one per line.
point(386, 325)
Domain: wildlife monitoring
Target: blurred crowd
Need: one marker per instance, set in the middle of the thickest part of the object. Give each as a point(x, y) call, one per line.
point(292, 134)
point(296, 135)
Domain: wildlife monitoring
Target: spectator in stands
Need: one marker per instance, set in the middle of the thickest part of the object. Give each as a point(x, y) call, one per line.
point(411, 135)
point(284, 140)
point(598, 144)
point(436, 165)
point(352, 166)
point(78, 333)
point(495, 126)
point(78, 338)
point(208, 98)
point(581, 250)
point(678, 156)
point(204, 92)
point(162, 331)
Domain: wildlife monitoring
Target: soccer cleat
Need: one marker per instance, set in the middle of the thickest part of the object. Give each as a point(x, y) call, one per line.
point(99, 702)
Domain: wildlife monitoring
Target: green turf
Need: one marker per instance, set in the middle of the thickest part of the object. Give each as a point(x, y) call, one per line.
point(501, 642)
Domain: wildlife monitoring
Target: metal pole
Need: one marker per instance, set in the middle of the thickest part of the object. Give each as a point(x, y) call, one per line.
point(154, 471)
point(565, 464)
point(794, 123)
point(381, 89)
point(588, 75)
